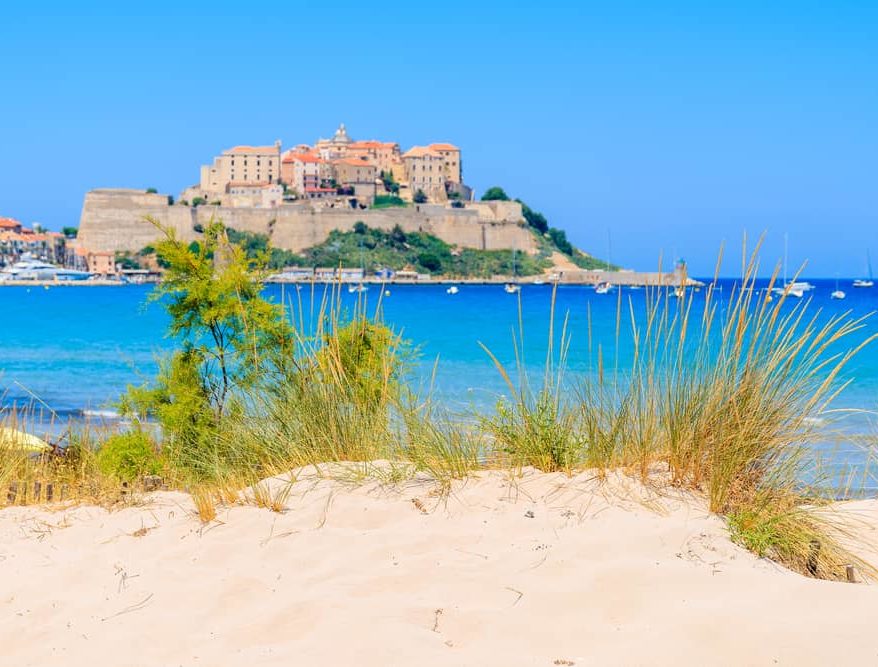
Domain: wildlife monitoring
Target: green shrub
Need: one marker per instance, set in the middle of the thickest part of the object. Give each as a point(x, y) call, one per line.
point(129, 456)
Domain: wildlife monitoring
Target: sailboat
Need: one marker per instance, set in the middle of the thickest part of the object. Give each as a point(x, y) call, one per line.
point(837, 294)
point(796, 288)
point(512, 288)
point(604, 287)
point(862, 282)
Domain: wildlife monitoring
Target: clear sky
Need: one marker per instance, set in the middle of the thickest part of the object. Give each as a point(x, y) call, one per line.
point(675, 125)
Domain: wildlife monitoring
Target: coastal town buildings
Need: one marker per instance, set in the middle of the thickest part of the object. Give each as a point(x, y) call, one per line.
point(17, 240)
point(245, 176)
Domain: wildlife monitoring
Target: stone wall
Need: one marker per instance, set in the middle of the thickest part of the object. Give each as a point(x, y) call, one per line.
point(114, 220)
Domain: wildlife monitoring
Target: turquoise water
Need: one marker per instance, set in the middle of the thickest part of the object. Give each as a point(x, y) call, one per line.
point(76, 348)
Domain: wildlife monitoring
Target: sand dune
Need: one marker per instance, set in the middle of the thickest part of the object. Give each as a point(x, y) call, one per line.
point(545, 570)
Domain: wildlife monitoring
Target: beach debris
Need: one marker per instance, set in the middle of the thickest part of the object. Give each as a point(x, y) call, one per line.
point(436, 615)
point(529, 514)
point(850, 574)
point(518, 592)
point(419, 505)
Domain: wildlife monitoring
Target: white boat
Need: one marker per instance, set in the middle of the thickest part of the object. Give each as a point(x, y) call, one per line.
point(511, 288)
point(863, 282)
point(357, 289)
point(452, 290)
point(35, 269)
point(603, 288)
point(789, 290)
point(795, 288)
point(837, 294)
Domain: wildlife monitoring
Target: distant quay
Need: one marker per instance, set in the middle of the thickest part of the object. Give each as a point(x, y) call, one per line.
point(63, 283)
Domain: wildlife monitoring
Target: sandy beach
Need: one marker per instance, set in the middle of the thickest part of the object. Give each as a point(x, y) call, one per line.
point(539, 570)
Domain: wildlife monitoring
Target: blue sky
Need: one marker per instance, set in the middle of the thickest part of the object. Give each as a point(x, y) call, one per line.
point(677, 126)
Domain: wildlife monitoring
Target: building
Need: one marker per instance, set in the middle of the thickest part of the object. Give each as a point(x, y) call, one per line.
point(10, 225)
point(357, 174)
point(301, 171)
point(451, 155)
point(425, 171)
point(16, 240)
point(335, 148)
point(348, 171)
point(99, 263)
point(254, 165)
point(383, 154)
point(261, 195)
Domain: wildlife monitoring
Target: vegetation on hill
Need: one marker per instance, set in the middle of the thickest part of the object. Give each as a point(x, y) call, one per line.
point(557, 238)
point(388, 201)
point(376, 249)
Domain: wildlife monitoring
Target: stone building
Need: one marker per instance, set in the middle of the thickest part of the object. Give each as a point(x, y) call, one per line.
point(451, 155)
point(255, 165)
point(262, 195)
point(425, 171)
point(358, 174)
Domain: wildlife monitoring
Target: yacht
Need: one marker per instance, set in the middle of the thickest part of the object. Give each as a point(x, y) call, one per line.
point(29, 268)
point(864, 282)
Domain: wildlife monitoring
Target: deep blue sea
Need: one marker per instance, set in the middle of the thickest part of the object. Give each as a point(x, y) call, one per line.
point(75, 349)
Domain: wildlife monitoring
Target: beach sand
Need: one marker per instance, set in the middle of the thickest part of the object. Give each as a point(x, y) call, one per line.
point(543, 570)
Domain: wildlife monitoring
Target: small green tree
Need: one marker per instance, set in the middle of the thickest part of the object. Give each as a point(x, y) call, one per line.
point(495, 193)
point(198, 201)
point(151, 191)
point(231, 338)
point(70, 232)
point(360, 227)
point(420, 197)
point(559, 238)
point(534, 218)
point(430, 261)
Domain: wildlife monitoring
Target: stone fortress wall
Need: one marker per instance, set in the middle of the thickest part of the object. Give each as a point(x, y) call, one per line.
point(114, 220)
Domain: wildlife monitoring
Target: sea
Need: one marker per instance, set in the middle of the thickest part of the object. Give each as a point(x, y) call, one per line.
point(70, 352)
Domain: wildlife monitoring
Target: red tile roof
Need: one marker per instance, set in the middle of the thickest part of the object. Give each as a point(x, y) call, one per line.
point(9, 223)
point(443, 147)
point(302, 157)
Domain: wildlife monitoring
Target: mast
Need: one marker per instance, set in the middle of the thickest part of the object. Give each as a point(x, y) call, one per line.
point(786, 239)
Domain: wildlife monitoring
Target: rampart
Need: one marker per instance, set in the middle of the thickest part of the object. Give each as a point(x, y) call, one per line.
point(115, 220)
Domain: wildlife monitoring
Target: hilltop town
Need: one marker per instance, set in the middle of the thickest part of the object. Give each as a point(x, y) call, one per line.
point(411, 208)
point(338, 169)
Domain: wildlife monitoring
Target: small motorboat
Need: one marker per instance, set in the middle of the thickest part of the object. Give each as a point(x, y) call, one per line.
point(512, 288)
point(357, 289)
point(603, 288)
point(452, 290)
